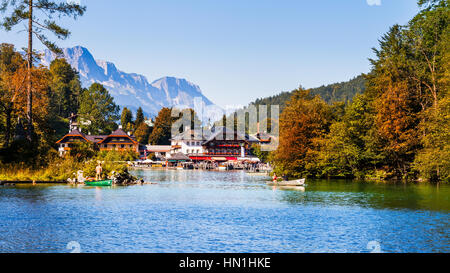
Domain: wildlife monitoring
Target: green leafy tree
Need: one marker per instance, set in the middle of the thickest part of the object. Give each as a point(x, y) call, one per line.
point(66, 88)
point(82, 151)
point(162, 131)
point(427, 35)
point(39, 15)
point(98, 112)
point(262, 155)
point(351, 147)
point(433, 161)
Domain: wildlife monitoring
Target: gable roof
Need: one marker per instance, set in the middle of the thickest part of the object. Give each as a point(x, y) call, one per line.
point(73, 133)
point(179, 157)
point(226, 133)
point(119, 133)
point(98, 138)
point(95, 139)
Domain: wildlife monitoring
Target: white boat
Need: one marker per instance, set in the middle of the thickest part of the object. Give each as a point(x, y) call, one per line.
point(294, 183)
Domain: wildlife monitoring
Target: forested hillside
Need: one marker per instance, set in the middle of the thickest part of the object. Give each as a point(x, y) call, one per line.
point(343, 91)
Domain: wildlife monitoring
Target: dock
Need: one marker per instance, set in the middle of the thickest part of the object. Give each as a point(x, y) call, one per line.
point(6, 183)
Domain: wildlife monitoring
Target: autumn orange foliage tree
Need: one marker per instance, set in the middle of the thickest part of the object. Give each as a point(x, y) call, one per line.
point(303, 124)
point(10, 85)
point(13, 102)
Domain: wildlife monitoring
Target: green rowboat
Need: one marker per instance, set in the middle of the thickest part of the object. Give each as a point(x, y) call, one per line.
point(103, 183)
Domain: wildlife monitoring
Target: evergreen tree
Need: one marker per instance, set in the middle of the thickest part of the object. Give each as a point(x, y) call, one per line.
point(162, 132)
point(126, 119)
point(66, 88)
point(139, 117)
point(27, 10)
point(98, 113)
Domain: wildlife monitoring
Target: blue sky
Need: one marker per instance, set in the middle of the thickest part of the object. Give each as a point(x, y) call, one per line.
point(236, 50)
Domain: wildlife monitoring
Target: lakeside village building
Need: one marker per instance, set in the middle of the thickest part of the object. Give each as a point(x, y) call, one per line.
point(221, 145)
point(117, 141)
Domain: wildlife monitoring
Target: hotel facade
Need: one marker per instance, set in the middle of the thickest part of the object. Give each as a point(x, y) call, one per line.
point(222, 144)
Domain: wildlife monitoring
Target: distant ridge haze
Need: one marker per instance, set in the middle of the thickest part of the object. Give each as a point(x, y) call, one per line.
point(129, 90)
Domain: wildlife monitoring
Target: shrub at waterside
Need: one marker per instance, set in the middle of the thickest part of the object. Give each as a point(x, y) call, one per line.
point(61, 169)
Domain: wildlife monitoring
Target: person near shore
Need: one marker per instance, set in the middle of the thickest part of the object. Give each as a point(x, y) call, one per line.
point(285, 177)
point(275, 178)
point(98, 172)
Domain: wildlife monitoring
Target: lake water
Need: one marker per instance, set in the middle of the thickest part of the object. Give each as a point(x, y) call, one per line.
point(198, 211)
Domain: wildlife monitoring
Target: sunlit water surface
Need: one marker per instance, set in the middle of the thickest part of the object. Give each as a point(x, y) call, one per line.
point(196, 211)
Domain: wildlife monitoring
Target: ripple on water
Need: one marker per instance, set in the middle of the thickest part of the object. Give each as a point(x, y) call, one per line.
point(195, 211)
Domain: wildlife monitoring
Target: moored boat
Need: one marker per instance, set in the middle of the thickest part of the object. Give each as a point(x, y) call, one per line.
point(294, 183)
point(102, 183)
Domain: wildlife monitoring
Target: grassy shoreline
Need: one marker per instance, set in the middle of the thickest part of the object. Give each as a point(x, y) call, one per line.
point(61, 170)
